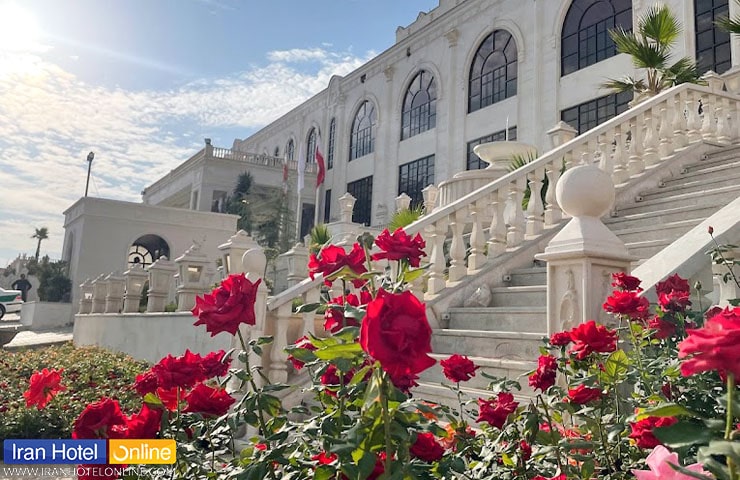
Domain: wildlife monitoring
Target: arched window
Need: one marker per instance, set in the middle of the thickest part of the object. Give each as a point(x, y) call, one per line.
point(493, 72)
point(311, 146)
point(585, 39)
point(419, 112)
point(712, 42)
point(362, 139)
point(147, 249)
point(332, 141)
point(290, 150)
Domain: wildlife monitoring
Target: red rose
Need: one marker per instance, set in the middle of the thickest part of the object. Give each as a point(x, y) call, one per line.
point(42, 387)
point(526, 450)
point(626, 282)
point(227, 306)
point(427, 448)
point(184, 371)
point(627, 303)
point(98, 420)
point(642, 431)
point(557, 477)
point(495, 411)
point(544, 377)
point(213, 365)
point(332, 260)
point(589, 337)
point(583, 394)
point(458, 368)
point(674, 301)
point(144, 424)
point(663, 328)
point(716, 346)
point(672, 283)
point(334, 318)
point(330, 378)
point(399, 246)
point(208, 401)
point(395, 332)
point(325, 458)
point(560, 339)
point(303, 343)
point(170, 397)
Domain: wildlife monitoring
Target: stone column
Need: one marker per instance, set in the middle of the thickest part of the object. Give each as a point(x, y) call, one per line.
point(99, 291)
point(114, 295)
point(86, 291)
point(160, 278)
point(135, 278)
point(583, 255)
point(191, 267)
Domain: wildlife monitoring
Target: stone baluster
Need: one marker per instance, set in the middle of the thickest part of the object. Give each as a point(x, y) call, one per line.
point(693, 119)
point(708, 124)
point(650, 151)
point(679, 122)
point(734, 113)
point(161, 276)
point(535, 209)
point(635, 165)
point(135, 278)
point(457, 247)
point(114, 292)
point(99, 291)
point(621, 173)
point(514, 213)
point(581, 257)
point(430, 194)
point(606, 161)
point(477, 257)
point(312, 296)
point(723, 128)
point(665, 133)
point(436, 232)
point(191, 267)
point(593, 151)
point(497, 229)
point(552, 211)
point(254, 263)
point(86, 291)
point(278, 371)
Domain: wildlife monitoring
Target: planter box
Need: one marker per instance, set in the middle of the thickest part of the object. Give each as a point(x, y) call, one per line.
point(46, 315)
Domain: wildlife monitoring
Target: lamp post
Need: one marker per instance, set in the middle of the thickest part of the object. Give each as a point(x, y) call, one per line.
point(90, 157)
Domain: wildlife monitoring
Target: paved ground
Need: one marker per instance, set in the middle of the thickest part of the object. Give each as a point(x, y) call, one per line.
point(38, 338)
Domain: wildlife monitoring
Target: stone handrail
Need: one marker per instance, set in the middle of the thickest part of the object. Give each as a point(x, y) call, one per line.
point(258, 159)
point(669, 122)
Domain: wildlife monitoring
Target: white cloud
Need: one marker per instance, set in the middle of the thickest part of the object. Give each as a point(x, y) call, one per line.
point(50, 120)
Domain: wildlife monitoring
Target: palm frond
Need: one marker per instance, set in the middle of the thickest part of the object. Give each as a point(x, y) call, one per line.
point(731, 25)
point(405, 217)
point(320, 236)
point(518, 161)
point(625, 84)
point(644, 53)
point(683, 71)
point(660, 25)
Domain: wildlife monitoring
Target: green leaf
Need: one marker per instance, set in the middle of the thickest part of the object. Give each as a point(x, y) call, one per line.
point(307, 307)
point(412, 275)
point(616, 366)
point(343, 350)
point(684, 434)
point(663, 410)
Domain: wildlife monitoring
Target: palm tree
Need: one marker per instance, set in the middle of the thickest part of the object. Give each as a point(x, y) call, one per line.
point(650, 48)
point(42, 234)
point(732, 25)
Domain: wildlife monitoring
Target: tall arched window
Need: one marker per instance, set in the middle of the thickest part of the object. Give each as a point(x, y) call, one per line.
point(362, 139)
point(332, 141)
point(493, 72)
point(585, 39)
point(311, 146)
point(290, 150)
point(419, 112)
point(712, 42)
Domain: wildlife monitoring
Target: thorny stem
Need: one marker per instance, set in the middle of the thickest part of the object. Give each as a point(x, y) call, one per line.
point(724, 260)
point(730, 418)
point(386, 423)
point(638, 356)
point(552, 430)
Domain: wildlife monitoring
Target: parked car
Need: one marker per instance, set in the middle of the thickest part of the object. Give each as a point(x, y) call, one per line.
point(10, 301)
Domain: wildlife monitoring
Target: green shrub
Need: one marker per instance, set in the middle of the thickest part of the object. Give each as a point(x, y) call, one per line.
point(89, 374)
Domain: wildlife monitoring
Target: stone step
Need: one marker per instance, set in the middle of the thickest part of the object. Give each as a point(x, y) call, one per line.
point(699, 182)
point(520, 296)
point(486, 343)
point(502, 319)
point(659, 216)
point(647, 248)
point(671, 230)
point(522, 277)
point(715, 196)
point(443, 395)
point(724, 154)
point(511, 369)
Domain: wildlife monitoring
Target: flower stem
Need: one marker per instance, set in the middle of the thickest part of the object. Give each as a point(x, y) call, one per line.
point(386, 423)
point(552, 431)
point(638, 355)
point(724, 261)
point(730, 419)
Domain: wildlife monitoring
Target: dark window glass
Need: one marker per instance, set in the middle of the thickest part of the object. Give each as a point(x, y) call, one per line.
point(585, 39)
point(493, 72)
point(712, 43)
point(419, 112)
point(475, 163)
point(307, 213)
point(332, 138)
point(290, 150)
point(327, 206)
point(589, 114)
point(414, 176)
point(277, 152)
point(362, 190)
point(362, 139)
point(311, 146)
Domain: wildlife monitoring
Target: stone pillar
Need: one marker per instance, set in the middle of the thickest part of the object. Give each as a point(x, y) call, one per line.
point(114, 295)
point(561, 133)
point(86, 291)
point(297, 260)
point(160, 278)
point(583, 255)
point(135, 278)
point(191, 267)
point(99, 291)
point(430, 193)
point(346, 205)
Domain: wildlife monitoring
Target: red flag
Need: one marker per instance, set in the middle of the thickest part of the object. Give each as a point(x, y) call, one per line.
point(320, 162)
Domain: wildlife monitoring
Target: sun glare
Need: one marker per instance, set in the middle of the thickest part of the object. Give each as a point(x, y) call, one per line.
point(18, 28)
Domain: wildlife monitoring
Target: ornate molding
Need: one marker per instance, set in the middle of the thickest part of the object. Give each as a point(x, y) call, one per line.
point(452, 37)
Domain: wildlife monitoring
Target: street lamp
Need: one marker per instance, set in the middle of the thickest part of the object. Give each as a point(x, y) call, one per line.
point(90, 157)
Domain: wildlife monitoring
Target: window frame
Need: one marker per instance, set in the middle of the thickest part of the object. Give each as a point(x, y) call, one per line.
point(418, 118)
point(362, 137)
point(362, 190)
point(422, 169)
point(487, 86)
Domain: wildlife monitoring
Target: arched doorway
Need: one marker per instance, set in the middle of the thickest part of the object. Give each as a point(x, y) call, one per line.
point(147, 249)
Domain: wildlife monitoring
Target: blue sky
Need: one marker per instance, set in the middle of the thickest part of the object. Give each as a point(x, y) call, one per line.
point(142, 82)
